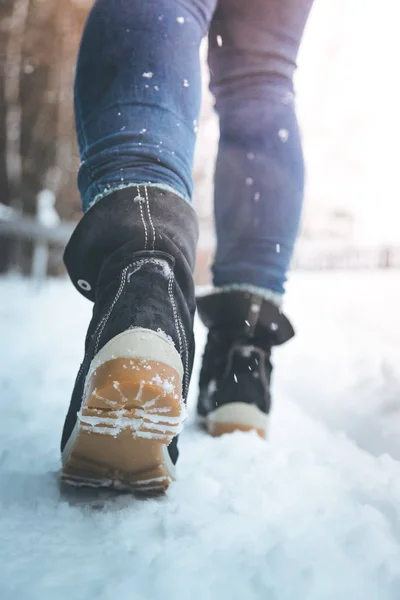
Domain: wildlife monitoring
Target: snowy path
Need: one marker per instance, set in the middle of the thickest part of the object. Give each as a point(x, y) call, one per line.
point(313, 515)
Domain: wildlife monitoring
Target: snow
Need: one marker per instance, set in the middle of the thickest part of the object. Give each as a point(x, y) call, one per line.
point(6, 212)
point(312, 515)
point(283, 135)
point(46, 213)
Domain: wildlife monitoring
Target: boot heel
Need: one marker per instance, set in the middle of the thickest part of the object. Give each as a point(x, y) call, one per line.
point(237, 416)
point(131, 411)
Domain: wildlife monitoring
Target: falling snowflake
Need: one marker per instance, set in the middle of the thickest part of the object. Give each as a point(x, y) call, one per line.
point(249, 181)
point(185, 83)
point(283, 135)
point(257, 196)
point(181, 20)
point(219, 40)
point(147, 74)
point(288, 98)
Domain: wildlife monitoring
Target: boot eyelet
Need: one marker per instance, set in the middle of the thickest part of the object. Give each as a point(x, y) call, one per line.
point(84, 285)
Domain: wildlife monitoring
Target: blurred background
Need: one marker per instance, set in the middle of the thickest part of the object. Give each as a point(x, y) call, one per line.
point(348, 98)
point(327, 488)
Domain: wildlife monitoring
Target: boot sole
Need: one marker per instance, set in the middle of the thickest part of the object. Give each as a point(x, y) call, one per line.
point(132, 409)
point(236, 416)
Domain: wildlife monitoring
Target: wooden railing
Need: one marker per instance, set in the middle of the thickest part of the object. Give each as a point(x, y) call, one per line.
point(347, 257)
point(47, 229)
point(43, 230)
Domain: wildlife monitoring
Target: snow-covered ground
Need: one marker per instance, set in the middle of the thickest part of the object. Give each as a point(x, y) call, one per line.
point(312, 515)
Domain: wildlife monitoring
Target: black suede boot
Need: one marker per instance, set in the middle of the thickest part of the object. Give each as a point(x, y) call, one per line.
point(236, 373)
point(133, 255)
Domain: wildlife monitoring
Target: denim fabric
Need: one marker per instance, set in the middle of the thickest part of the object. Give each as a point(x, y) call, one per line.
point(137, 101)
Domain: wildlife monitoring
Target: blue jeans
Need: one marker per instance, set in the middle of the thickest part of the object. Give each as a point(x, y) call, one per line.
point(137, 102)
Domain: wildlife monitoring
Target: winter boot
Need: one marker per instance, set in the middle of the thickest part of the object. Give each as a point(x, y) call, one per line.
point(236, 373)
point(133, 255)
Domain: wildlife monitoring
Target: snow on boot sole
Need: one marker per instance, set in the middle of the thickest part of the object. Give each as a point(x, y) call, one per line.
point(132, 409)
point(236, 416)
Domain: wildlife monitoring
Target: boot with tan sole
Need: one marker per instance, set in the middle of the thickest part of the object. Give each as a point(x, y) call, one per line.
point(236, 373)
point(132, 254)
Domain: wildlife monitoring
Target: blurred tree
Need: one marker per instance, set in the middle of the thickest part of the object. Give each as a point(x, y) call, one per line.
point(39, 41)
point(38, 46)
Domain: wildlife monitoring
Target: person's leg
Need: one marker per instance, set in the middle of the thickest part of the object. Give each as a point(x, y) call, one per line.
point(260, 174)
point(259, 181)
point(133, 253)
point(137, 94)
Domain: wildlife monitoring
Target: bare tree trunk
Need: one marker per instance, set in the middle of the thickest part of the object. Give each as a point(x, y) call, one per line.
point(38, 46)
point(12, 81)
point(12, 85)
